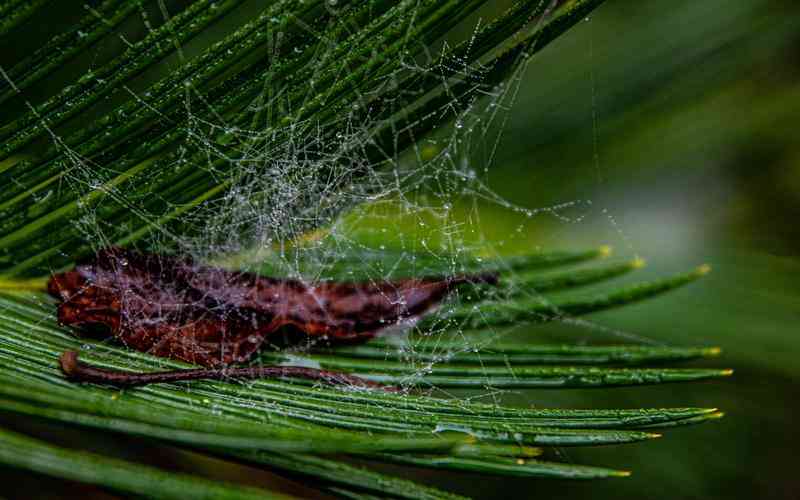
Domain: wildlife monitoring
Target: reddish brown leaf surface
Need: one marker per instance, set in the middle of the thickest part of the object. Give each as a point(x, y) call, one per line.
point(175, 308)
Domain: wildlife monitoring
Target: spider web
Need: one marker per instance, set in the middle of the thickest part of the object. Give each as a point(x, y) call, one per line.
point(298, 203)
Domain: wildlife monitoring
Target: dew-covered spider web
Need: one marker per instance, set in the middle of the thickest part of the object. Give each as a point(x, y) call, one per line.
point(323, 171)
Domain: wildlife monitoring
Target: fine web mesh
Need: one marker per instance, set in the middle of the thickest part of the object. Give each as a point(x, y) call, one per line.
point(300, 186)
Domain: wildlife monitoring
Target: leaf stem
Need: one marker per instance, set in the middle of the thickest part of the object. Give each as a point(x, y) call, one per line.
point(77, 371)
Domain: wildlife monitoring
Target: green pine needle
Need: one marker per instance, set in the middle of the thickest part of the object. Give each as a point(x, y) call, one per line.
point(23, 452)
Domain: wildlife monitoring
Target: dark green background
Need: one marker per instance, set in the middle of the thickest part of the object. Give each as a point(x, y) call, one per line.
point(679, 120)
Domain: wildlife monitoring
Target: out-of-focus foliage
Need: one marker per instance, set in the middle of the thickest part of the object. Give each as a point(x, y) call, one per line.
point(678, 120)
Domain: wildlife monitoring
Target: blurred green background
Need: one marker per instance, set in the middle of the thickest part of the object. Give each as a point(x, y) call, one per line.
point(674, 126)
point(680, 122)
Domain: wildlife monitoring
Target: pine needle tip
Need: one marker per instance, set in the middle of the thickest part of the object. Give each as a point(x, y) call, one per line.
point(605, 251)
point(703, 270)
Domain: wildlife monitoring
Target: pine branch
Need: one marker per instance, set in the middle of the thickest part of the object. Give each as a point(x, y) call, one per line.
point(149, 161)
